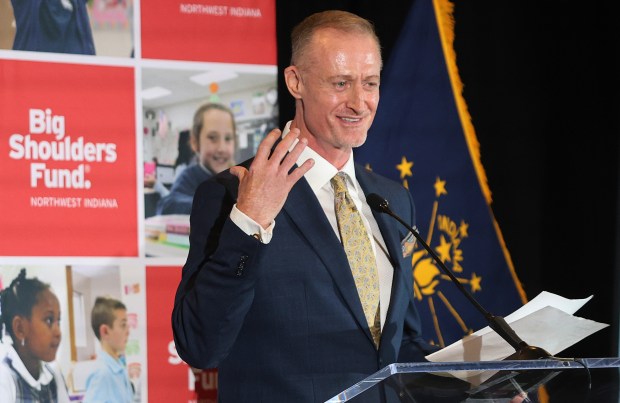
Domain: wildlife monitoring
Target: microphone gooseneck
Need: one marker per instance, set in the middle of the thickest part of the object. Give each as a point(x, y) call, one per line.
point(497, 323)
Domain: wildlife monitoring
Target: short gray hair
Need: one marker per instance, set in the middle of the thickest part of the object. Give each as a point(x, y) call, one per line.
point(336, 19)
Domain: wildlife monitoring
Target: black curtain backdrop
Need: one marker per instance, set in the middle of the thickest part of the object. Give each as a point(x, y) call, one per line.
point(541, 84)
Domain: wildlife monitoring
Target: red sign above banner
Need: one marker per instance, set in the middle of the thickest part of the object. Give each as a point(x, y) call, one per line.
point(243, 32)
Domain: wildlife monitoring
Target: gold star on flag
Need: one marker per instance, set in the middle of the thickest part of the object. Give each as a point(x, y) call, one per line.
point(440, 187)
point(444, 249)
point(463, 229)
point(405, 167)
point(475, 283)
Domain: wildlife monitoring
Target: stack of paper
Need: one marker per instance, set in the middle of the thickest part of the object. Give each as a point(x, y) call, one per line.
point(547, 322)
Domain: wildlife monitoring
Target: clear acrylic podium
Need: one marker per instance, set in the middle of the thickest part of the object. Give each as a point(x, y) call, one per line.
point(544, 380)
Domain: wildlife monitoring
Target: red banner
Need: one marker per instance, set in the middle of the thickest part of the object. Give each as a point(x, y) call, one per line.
point(167, 372)
point(68, 151)
point(203, 31)
point(76, 131)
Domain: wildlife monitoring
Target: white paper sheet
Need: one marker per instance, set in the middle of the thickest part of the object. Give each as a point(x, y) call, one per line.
point(547, 322)
point(542, 300)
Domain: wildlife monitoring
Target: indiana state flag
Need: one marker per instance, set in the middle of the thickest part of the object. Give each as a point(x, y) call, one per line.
point(422, 136)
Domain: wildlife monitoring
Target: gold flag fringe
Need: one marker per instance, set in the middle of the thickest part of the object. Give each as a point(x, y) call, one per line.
point(445, 23)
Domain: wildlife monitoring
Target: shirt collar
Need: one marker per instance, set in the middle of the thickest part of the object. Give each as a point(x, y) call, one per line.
point(45, 376)
point(322, 171)
point(112, 363)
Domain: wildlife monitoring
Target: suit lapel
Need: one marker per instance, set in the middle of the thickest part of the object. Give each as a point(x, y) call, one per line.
point(387, 225)
point(305, 211)
point(389, 228)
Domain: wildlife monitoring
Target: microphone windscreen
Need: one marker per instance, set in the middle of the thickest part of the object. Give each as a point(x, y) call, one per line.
point(377, 202)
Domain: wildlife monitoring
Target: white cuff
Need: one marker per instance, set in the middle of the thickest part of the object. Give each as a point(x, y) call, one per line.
point(251, 227)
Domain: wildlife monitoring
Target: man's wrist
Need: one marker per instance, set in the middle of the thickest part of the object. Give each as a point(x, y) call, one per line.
point(251, 227)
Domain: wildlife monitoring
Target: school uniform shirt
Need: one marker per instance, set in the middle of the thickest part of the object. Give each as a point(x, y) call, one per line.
point(18, 385)
point(109, 382)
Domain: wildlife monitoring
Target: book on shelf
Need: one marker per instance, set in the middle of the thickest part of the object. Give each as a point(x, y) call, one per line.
point(174, 239)
point(177, 224)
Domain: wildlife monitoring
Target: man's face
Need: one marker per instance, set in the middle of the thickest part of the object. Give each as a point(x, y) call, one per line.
point(340, 89)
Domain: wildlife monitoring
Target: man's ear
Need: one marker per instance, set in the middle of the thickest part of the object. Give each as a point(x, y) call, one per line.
point(293, 81)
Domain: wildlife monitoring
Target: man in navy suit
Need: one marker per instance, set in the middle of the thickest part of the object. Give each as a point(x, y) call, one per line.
point(266, 294)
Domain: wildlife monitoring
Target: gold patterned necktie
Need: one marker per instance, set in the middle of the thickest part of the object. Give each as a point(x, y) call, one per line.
point(356, 242)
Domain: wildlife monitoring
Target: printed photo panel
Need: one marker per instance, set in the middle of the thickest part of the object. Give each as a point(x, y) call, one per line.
point(94, 27)
point(171, 99)
point(77, 288)
point(68, 155)
point(230, 32)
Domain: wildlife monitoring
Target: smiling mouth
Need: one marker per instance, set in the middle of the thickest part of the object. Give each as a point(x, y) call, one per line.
point(351, 120)
point(220, 159)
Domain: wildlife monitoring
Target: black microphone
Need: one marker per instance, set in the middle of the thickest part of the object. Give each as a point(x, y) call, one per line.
point(497, 323)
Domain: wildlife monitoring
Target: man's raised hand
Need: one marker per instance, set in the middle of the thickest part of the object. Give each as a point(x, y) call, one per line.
point(264, 187)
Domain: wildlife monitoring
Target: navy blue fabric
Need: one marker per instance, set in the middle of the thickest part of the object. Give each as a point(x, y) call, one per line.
point(46, 26)
point(417, 120)
point(179, 200)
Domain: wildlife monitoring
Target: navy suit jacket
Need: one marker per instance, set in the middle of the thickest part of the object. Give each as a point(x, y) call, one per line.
point(283, 321)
